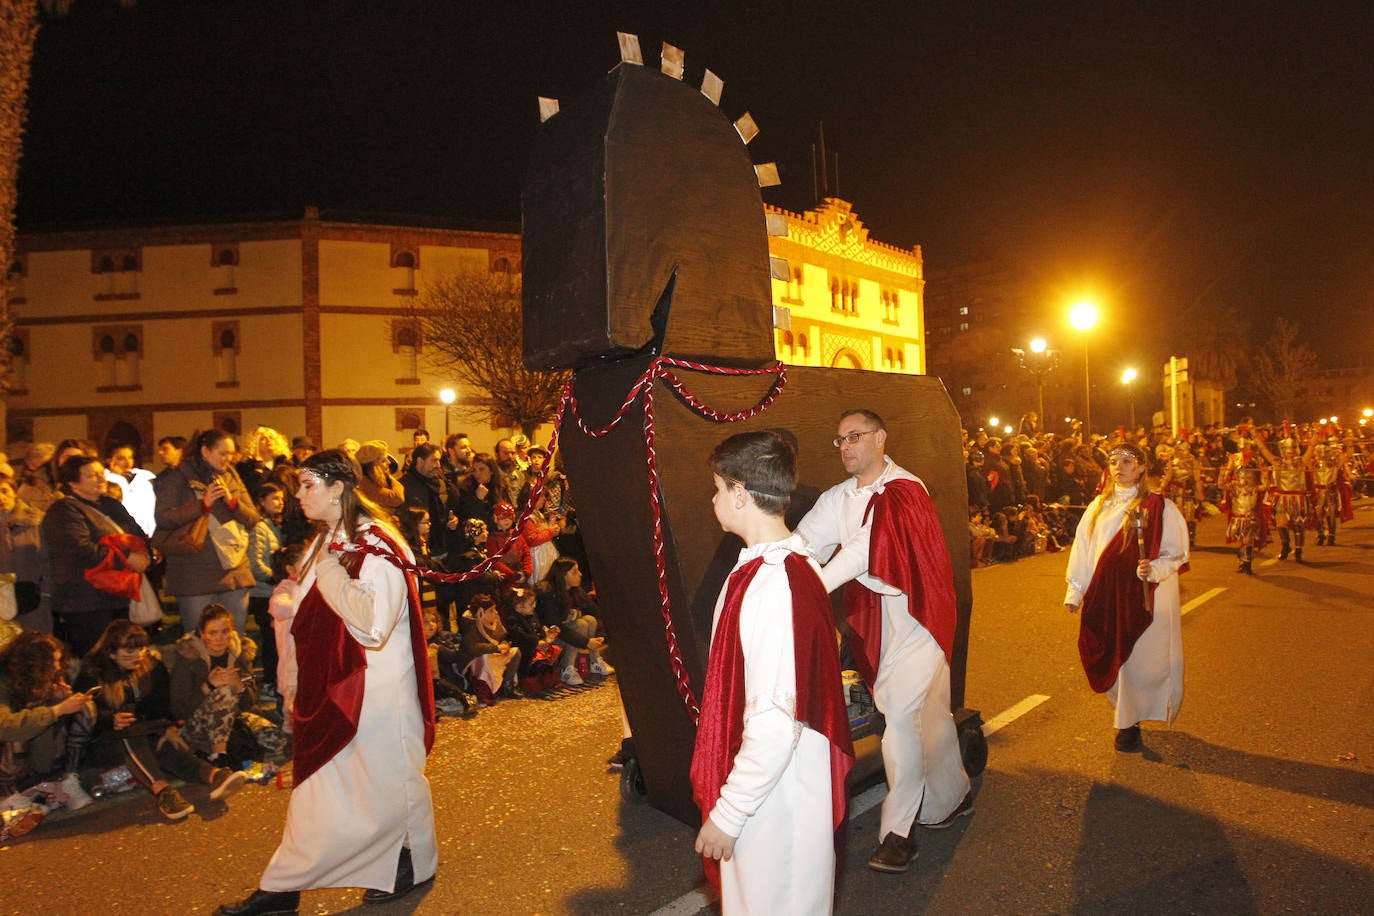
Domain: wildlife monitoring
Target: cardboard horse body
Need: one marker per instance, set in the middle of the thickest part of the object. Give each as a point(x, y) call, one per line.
point(644, 234)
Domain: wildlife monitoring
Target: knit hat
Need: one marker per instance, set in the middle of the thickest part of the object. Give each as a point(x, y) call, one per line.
point(371, 451)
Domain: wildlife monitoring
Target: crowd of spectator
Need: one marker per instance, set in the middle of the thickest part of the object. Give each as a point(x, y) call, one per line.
point(196, 692)
point(1028, 490)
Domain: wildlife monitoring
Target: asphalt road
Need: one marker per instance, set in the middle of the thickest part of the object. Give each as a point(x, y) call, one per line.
point(1259, 798)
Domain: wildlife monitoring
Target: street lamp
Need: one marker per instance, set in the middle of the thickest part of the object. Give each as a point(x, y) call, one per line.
point(1126, 378)
point(1038, 359)
point(1083, 316)
point(448, 396)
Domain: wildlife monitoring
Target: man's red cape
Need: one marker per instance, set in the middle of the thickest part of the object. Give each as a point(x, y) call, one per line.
point(333, 667)
point(906, 549)
point(1114, 609)
point(820, 704)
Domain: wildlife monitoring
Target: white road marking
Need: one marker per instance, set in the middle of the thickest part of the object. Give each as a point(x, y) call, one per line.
point(1005, 718)
point(695, 901)
point(688, 904)
point(1269, 562)
point(1198, 601)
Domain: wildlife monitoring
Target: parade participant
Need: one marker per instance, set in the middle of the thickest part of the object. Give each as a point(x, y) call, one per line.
point(360, 814)
point(1242, 486)
point(1333, 491)
point(1291, 493)
point(773, 744)
point(901, 606)
point(1181, 482)
point(1130, 636)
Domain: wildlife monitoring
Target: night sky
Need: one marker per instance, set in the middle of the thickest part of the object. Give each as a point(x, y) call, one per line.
point(1170, 159)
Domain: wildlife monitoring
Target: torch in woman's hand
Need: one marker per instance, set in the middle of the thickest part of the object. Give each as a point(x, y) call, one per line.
point(1142, 516)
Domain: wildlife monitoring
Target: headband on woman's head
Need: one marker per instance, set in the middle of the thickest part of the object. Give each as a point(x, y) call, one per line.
point(332, 464)
point(1131, 449)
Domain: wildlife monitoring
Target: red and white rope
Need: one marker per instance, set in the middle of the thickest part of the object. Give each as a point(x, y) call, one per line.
point(661, 368)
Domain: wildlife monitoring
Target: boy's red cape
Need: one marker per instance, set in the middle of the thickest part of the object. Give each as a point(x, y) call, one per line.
point(333, 666)
point(820, 704)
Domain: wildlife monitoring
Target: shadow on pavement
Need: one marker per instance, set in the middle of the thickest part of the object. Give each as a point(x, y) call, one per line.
point(1341, 784)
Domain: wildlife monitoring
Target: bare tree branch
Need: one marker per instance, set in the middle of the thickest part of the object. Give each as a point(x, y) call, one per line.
point(471, 328)
point(1283, 367)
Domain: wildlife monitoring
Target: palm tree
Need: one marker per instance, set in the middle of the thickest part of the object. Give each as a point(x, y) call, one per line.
point(18, 29)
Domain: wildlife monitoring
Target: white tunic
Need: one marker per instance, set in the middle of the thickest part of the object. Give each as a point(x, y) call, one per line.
point(925, 772)
point(346, 823)
point(1149, 685)
point(777, 798)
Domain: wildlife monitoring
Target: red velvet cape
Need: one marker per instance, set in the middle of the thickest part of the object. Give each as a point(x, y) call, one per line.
point(1114, 612)
point(820, 703)
point(333, 670)
point(906, 549)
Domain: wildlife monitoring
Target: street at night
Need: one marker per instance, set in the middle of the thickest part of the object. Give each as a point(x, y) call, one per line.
point(1259, 799)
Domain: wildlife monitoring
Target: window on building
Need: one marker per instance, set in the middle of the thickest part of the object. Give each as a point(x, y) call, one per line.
point(963, 310)
point(127, 367)
point(835, 301)
point(105, 355)
point(18, 272)
point(966, 391)
point(231, 421)
point(406, 262)
point(224, 265)
point(225, 344)
point(18, 346)
point(118, 351)
point(119, 271)
point(405, 343)
point(963, 325)
point(802, 351)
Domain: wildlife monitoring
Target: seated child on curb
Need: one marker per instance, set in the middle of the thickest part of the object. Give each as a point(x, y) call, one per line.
point(770, 785)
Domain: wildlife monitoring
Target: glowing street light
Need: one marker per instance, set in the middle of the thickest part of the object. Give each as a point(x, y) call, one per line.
point(1083, 316)
point(1127, 378)
point(1037, 360)
point(448, 396)
point(993, 421)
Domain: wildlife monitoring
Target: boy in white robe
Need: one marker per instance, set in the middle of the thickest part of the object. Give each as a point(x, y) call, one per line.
point(773, 743)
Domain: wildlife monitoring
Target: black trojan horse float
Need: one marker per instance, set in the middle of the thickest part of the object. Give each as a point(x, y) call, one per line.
point(646, 269)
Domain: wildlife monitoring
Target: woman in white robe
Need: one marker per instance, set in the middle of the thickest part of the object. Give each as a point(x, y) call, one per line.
point(1149, 683)
point(361, 816)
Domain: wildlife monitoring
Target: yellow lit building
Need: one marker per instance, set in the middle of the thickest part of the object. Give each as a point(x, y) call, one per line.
point(849, 301)
point(136, 333)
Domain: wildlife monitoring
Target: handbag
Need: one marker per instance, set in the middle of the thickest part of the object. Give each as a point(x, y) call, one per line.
point(146, 609)
point(184, 541)
point(230, 540)
point(9, 602)
point(112, 574)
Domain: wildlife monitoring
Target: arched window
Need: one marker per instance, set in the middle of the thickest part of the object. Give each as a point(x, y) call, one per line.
point(407, 261)
point(225, 343)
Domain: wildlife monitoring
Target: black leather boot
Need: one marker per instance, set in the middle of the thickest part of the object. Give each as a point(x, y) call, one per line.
point(405, 881)
point(264, 903)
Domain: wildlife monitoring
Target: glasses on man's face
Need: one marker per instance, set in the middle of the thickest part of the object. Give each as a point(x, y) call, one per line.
point(852, 438)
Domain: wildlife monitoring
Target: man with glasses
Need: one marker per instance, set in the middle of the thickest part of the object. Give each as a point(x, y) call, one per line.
point(882, 529)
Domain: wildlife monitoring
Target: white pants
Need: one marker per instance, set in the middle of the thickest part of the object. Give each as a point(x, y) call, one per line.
point(925, 772)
